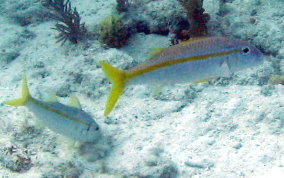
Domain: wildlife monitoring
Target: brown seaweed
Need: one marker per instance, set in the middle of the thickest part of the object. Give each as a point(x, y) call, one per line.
point(68, 18)
point(196, 17)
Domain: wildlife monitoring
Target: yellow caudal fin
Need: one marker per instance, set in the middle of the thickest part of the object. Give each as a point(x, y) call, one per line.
point(25, 95)
point(118, 79)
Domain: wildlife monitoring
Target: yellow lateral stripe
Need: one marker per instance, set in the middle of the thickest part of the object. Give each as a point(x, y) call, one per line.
point(57, 112)
point(132, 74)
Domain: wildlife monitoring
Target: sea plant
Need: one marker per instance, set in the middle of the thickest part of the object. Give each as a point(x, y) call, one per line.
point(196, 17)
point(69, 25)
point(113, 32)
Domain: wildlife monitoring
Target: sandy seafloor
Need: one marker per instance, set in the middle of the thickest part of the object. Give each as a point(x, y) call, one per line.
point(229, 127)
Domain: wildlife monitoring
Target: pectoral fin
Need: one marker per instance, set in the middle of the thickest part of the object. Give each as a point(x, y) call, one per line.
point(225, 69)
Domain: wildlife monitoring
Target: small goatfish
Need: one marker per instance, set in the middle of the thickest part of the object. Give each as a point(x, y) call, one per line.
point(195, 60)
point(70, 121)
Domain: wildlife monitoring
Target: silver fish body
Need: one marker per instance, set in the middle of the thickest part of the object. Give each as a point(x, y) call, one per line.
point(66, 120)
point(222, 56)
point(69, 120)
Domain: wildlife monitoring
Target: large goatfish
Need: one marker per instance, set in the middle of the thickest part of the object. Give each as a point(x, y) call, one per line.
point(191, 61)
point(68, 120)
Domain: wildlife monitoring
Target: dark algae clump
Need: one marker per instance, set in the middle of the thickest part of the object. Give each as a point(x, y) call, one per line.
point(113, 33)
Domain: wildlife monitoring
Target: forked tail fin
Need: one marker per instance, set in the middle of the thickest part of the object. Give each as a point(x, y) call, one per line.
point(25, 95)
point(118, 79)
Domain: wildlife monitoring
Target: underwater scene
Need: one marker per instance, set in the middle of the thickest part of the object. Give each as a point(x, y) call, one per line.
point(142, 88)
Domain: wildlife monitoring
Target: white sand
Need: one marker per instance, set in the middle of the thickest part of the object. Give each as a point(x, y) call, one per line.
point(226, 128)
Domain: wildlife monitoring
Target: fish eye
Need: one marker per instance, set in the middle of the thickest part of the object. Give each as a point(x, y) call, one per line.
point(97, 128)
point(245, 50)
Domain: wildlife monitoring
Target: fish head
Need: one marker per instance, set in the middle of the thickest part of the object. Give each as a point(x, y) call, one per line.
point(91, 130)
point(92, 133)
point(245, 56)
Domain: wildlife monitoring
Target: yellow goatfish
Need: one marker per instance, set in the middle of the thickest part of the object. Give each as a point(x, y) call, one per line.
point(69, 120)
point(191, 61)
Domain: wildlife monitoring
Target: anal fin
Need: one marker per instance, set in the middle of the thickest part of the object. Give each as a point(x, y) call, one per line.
point(157, 90)
point(203, 80)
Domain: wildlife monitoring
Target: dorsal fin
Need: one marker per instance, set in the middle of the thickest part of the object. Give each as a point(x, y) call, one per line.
point(52, 98)
point(74, 102)
point(191, 40)
point(154, 52)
